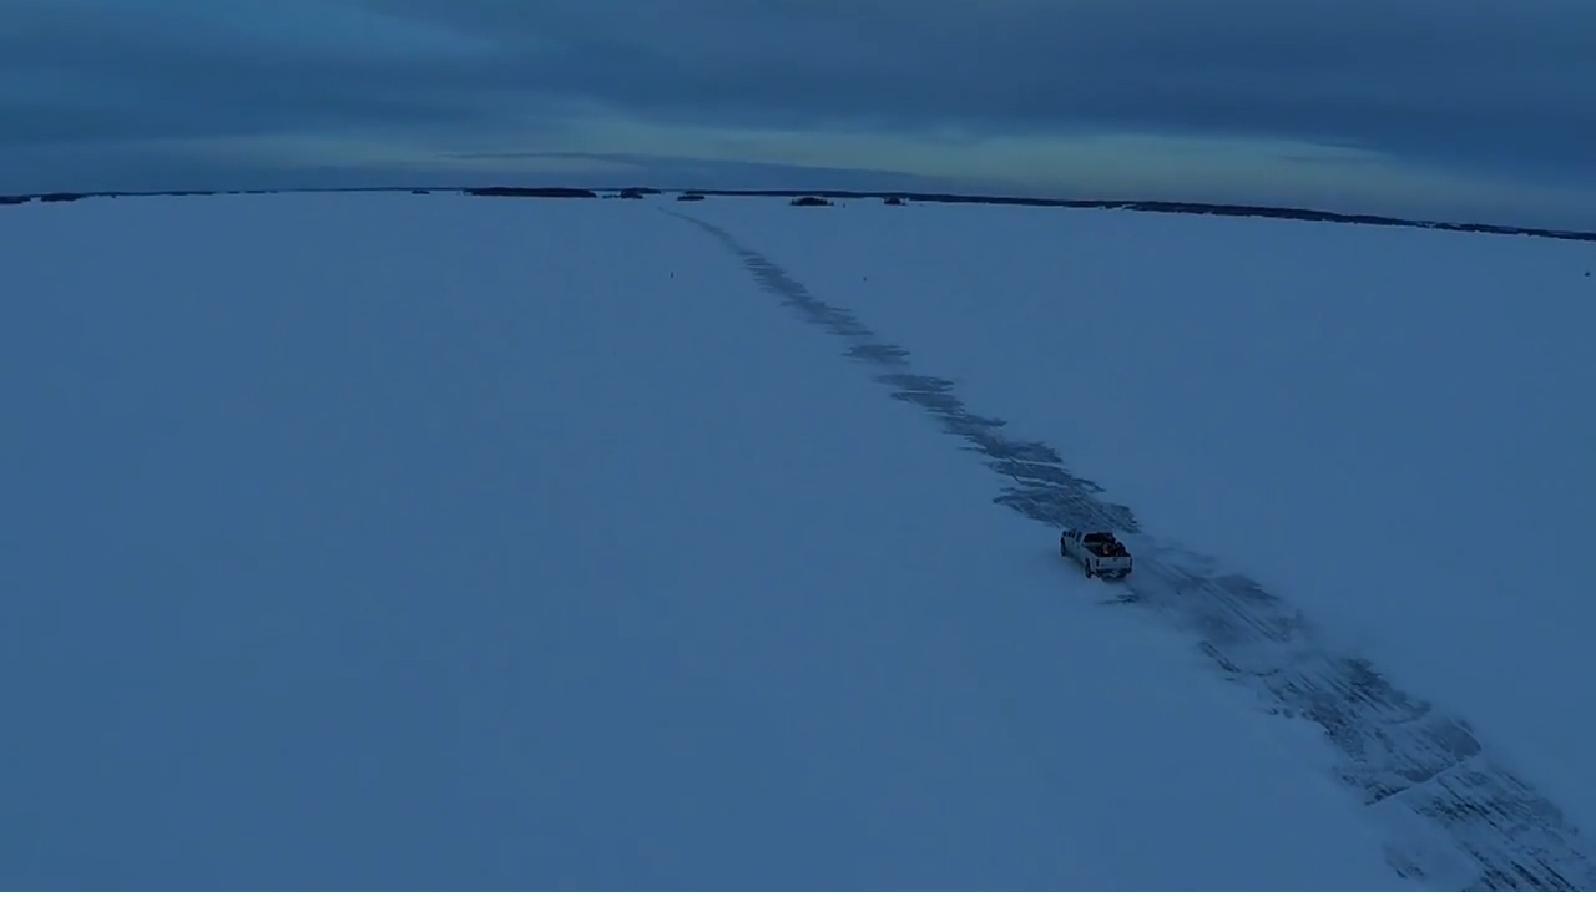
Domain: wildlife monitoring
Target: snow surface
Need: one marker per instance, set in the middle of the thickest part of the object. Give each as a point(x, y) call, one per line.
point(1272, 391)
point(393, 541)
point(1387, 426)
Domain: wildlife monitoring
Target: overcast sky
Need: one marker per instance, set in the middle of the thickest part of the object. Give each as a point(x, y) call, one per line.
point(1427, 108)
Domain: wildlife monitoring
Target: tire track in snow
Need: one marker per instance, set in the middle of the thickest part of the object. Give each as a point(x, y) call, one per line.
point(1454, 817)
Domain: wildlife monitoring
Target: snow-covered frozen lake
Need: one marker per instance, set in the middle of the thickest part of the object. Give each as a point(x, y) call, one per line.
point(397, 541)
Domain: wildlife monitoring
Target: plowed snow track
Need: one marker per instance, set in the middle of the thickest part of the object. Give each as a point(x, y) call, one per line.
point(1455, 818)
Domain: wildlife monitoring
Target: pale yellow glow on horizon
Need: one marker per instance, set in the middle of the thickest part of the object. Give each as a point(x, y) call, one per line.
point(1104, 166)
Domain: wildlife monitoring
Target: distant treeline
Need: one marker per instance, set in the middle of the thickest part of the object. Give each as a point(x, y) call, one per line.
point(530, 192)
point(818, 198)
point(1153, 206)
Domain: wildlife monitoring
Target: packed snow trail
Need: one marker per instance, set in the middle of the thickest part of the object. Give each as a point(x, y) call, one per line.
point(1454, 817)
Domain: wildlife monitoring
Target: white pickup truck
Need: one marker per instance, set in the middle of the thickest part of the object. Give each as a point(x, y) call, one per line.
point(1099, 553)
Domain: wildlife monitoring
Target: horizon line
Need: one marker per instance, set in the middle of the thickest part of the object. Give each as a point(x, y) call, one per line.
point(1265, 211)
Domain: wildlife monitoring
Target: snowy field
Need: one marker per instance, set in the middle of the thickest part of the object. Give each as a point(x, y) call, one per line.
point(1390, 425)
point(393, 541)
point(1270, 392)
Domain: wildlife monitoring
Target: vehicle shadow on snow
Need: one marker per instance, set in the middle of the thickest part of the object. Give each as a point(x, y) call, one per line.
point(1453, 816)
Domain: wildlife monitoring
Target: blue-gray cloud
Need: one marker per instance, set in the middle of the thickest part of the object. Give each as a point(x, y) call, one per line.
point(1419, 100)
